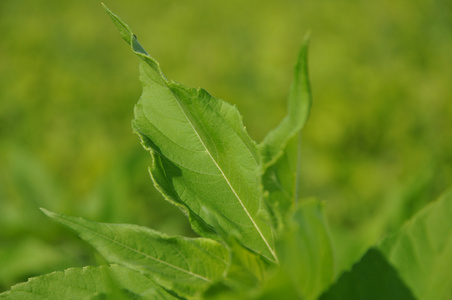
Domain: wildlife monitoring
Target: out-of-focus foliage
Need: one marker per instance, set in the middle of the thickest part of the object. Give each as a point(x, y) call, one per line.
point(377, 147)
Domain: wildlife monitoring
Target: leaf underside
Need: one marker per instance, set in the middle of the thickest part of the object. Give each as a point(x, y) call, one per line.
point(203, 159)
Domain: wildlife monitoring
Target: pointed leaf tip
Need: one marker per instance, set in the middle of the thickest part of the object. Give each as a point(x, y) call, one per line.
point(47, 212)
point(127, 34)
point(299, 106)
point(307, 38)
point(124, 29)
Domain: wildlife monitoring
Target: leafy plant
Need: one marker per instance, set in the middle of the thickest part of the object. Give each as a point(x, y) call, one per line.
point(258, 239)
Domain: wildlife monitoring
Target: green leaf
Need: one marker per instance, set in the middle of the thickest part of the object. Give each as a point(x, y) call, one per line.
point(247, 270)
point(422, 250)
point(203, 159)
point(246, 273)
point(306, 251)
point(107, 282)
point(299, 106)
point(372, 278)
point(184, 265)
point(280, 181)
point(125, 31)
point(281, 147)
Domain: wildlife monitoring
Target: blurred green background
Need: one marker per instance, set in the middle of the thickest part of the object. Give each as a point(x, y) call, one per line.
point(377, 147)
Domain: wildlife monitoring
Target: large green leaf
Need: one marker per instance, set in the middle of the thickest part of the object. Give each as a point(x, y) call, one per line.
point(372, 278)
point(104, 282)
point(306, 251)
point(184, 265)
point(203, 159)
point(422, 251)
point(281, 147)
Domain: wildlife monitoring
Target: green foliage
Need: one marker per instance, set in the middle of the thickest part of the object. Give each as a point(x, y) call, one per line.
point(280, 148)
point(172, 262)
point(422, 250)
point(371, 278)
point(306, 251)
point(410, 264)
point(259, 239)
point(104, 282)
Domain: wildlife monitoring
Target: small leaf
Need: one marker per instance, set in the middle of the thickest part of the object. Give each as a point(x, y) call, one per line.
point(422, 251)
point(186, 266)
point(203, 159)
point(89, 282)
point(372, 278)
point(306, 251)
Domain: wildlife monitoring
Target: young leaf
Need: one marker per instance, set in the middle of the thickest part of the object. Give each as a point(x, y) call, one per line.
point(186, 266)
point(203, 158)
point(372, 278)
point(281, 147)
point(299, 105)
point(422, 251)
point(113, 281)
point(306, 251)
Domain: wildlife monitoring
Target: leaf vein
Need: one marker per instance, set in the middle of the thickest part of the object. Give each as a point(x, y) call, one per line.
point(141, 253)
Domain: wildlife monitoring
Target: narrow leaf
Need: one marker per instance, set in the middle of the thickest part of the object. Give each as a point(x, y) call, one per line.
point(114, 282)
point(187, 266)
point(204, 160)
point(372, 278)
point(299, 105)
point(306, 251)
point(281, 147)
point(422, 251)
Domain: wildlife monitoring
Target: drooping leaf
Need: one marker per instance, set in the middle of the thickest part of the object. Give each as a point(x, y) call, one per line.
point(306, 251)
point(422, 250)
point(372, 278)
point(281, 147)
point(203, 159)
point(184, 265)
point(106, 282)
